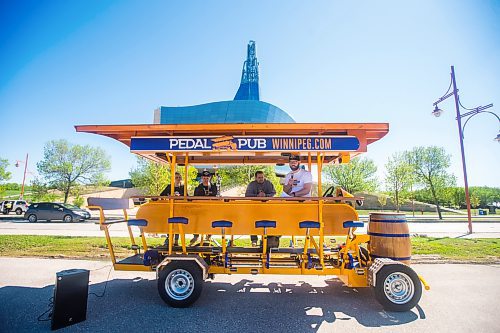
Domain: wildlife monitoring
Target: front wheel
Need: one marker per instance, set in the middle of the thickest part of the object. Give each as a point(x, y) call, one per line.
point(68, 218)
point(32, 218)
point(180, 283)
point(398, 288)
point(19, 211)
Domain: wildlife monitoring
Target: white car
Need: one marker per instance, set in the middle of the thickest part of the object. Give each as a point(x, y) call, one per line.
point(18, 206)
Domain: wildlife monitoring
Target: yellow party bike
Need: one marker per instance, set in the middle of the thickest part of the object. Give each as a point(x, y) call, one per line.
point(321, 229)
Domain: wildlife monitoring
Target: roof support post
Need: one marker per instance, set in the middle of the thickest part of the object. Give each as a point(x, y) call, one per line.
point(320, 211)
point(171, 202)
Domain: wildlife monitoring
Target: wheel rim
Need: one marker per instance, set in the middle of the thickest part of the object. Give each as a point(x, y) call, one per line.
point(67, 218)
point(399, 288)
point(179, 284)
point(32, 218)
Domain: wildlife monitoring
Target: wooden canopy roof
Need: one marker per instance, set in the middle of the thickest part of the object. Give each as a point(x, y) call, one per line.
point(366, 133)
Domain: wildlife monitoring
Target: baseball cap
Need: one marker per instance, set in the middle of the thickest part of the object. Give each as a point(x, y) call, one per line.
point(294, 158)
point(206, 173)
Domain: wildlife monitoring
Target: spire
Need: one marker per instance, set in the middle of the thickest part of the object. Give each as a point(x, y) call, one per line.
point(249, 86)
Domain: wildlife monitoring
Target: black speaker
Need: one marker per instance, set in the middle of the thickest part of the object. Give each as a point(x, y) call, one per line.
point(70, 298)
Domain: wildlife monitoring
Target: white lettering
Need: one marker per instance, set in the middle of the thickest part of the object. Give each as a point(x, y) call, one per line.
point(242, 143)
point(261, 144)
point(174, 143)
point(188, 144)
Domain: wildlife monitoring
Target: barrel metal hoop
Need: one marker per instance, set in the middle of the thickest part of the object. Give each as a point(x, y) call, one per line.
point(388, 235)
point(389, 221)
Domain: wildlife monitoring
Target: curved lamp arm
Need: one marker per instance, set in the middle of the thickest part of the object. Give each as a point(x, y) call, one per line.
point(463, 127)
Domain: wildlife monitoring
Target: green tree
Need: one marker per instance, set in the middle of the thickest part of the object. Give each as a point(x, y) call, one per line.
point(358, 175)
point(398, 178)
point(41, 192)
point(455, 197)
point(382, 200)
point(474, 202)
point(430, 166)
point(487, 195)
point(4, 174)
point(65, 165)
point(152, 177)
point(38, 189)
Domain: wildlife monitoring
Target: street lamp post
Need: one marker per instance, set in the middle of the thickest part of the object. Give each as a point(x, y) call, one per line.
point(471, 112)
point(24, 176)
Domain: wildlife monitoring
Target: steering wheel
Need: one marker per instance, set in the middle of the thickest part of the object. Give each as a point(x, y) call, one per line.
point(329, 191)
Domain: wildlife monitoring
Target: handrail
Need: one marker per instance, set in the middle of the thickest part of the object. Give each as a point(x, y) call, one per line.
point(189, 198)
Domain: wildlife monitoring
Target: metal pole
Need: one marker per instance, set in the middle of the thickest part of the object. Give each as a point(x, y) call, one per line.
point(459, 121)
point(24, 178)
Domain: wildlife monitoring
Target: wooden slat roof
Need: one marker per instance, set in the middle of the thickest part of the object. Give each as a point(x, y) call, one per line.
point(367, 133)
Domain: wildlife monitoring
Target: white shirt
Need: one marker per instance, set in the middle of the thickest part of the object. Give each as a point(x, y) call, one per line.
point(300, 178)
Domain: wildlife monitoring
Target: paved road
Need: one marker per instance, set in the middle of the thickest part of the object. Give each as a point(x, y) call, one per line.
point(463, 298)
point(18, 226)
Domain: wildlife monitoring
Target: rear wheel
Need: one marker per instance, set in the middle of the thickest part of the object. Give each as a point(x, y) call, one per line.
point(19, 211)
point(180, 283)
point(68, 218)
point(398, 288)
point(32, 218)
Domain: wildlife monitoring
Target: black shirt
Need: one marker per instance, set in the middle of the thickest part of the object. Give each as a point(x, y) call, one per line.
point(166, 191)
point(205, 191)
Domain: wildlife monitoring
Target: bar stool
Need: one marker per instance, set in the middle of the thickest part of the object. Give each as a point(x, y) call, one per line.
point(265, 224)
point(309, 225)
point(179, 220)
point(352, 225)
point(223, 224)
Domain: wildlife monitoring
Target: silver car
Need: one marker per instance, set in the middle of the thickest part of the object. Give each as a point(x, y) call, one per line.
point(51, 211)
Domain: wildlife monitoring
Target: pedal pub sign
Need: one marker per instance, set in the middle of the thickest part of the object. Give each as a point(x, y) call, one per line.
point(245, 143)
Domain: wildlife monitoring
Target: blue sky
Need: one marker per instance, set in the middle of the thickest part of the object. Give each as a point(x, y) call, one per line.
point(66, 63)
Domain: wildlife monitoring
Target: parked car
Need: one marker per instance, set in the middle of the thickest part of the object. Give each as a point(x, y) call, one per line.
point(18, 206)
point(55, 211)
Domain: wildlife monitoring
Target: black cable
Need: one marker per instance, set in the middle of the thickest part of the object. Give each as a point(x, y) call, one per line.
point(106, 284)
point(51, 307)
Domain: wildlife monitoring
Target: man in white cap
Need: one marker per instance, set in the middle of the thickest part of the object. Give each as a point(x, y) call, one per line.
point(298, 182)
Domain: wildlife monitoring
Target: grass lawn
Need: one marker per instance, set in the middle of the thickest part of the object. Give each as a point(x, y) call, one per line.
point(485, 250)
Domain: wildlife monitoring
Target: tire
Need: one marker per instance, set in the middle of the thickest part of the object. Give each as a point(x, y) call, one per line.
point(180, 283)
point(32, 218)
point(19, 211)
point(68, 218)
point(398, 288)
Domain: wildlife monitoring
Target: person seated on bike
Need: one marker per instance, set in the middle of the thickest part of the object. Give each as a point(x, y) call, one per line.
point(298, 182)
point(178, 187)
point(260, 187)
point(204, 189)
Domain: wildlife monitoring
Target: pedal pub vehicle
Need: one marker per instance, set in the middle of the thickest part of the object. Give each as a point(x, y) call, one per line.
point(377, 260)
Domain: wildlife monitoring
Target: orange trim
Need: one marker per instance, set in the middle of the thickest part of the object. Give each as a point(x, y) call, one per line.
point(365, 132)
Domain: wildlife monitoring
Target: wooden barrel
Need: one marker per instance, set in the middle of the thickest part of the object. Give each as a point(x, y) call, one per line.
point(389, 237)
